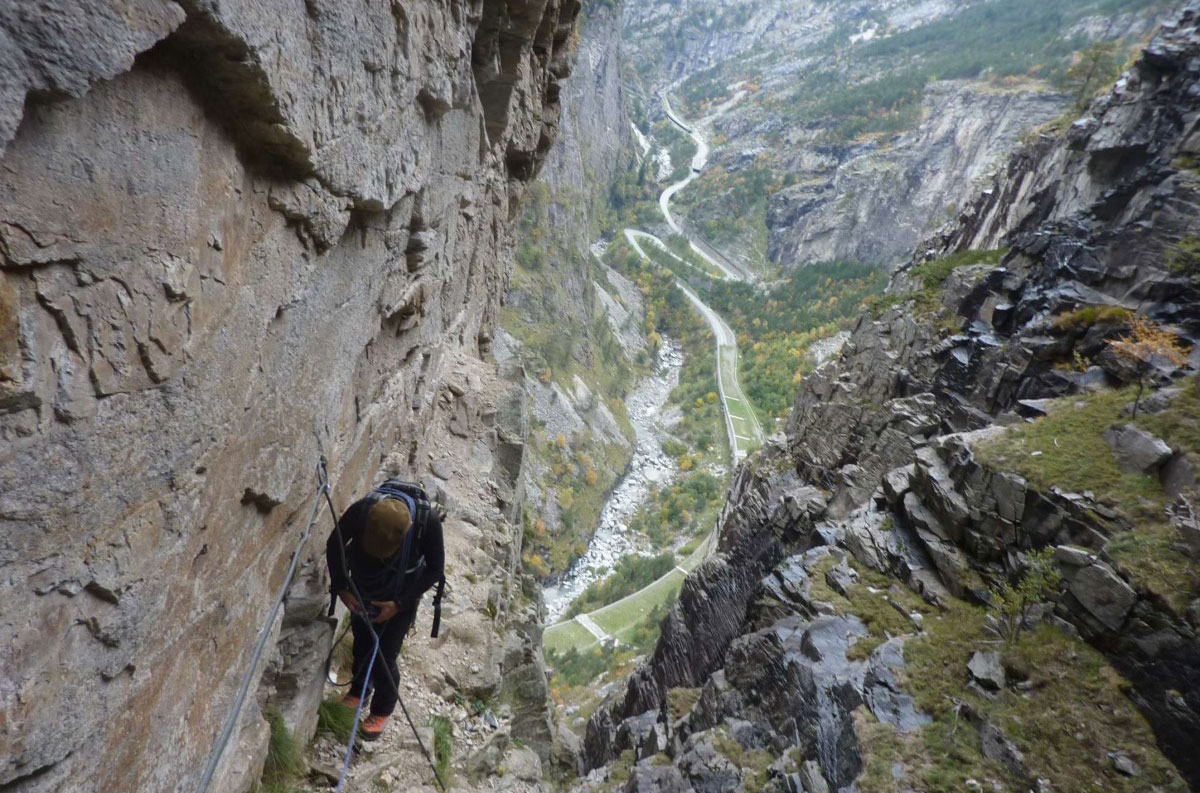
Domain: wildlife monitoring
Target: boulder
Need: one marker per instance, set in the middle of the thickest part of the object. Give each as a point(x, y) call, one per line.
point(648, 778)
point(995, 746)
point(811, 780)
point(1103, 594)
point(841, 577)
point(1124, 765)
point(1137, 451)
point(1177, 475)
point(987, 670)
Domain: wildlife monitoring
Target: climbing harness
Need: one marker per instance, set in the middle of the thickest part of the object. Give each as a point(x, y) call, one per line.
point(227, 729)
point(323, 473)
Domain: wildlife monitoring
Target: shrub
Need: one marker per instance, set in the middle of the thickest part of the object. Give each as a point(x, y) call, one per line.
point(1015, 603)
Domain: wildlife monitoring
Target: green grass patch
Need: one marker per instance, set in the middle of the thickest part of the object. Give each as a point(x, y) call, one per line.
point(443, 745)
point(285, 755)
point(631, 574)
point(622, 617)
point(564, 635)
point(1148, 555)
point(880, 601)
point(1084, 317)
point(930, 278)
point(681, 700)
point(752, 762)
point(1067, 449)
point(1074, 712)
point(334, 718)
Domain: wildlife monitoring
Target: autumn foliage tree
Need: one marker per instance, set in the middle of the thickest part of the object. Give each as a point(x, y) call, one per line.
point(1145, 343)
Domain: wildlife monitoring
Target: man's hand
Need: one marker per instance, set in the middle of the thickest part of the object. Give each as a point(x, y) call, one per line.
point(387, 610)
point(351, 602)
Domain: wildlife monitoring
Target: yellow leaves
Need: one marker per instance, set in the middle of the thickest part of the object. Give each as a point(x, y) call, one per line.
point(590, 476)
point(539, 527)
point(798, 378)
point(686, 464)
point(711, 397)
point(560, 441)
point(536, 563)
point(546, 375)
point(1146, 340)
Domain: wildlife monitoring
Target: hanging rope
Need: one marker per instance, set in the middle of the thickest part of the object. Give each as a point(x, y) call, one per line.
point(362, 697)
point(323, 474)
point(227, 729)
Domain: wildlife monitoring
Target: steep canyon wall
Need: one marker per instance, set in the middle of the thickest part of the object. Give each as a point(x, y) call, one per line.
point(233, 237)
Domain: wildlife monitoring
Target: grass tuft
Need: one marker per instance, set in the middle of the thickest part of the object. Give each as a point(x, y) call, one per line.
point(932, 277)
point(335, 719)
point(1084, 317)
point(285, 756)
point(443, 744)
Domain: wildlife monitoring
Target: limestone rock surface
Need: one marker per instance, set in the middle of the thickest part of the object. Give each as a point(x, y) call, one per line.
point(233, 237)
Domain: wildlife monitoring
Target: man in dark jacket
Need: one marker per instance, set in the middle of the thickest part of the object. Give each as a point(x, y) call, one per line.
point(373, 534)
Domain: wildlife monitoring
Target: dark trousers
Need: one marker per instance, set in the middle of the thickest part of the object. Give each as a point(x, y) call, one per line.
point(391, 636)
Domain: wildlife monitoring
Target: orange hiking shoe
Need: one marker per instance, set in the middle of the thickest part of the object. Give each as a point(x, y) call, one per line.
point(372, 728)
point(351, 701)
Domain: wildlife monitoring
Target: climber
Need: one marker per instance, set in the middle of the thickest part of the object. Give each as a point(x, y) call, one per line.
point(387, 547)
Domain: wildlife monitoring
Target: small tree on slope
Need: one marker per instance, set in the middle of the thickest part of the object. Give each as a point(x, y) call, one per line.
point(1145, 342)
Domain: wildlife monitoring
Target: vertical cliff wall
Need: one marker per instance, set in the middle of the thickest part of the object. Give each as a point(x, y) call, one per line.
point(557, 276)
point(233, 237)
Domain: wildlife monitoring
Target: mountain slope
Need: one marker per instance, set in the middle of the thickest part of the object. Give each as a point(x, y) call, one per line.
point(850, 631)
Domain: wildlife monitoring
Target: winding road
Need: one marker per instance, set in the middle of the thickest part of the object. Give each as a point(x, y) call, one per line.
point(741, 423)
point(616, 620)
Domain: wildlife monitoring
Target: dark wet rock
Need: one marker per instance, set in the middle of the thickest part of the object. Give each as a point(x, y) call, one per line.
point(649, 778)
point(810, 778)
point(1137, 451)
point(706, 769)
point(1103, 594)
point(841, 577)
point(888, 700)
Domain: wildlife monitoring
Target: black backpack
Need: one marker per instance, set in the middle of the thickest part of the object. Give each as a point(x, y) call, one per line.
point(394, 580)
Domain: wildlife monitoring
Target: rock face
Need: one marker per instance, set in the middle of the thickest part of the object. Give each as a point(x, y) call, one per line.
point(881, 465)
point(867, 197)
point(874, 203)
point(592, 149)
point(232, 237)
